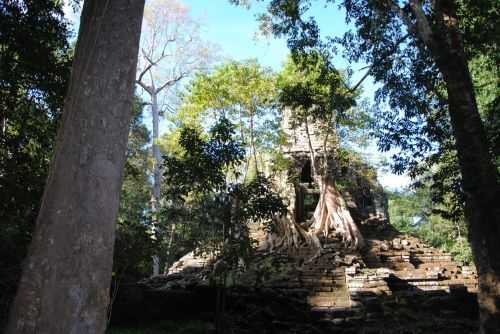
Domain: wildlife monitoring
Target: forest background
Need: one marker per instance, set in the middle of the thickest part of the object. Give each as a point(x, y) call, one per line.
point(28, 138)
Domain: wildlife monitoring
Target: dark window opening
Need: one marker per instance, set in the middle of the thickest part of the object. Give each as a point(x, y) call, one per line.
point(306, 173)
point(310, 203)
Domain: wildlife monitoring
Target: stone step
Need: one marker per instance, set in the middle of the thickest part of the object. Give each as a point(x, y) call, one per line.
point(323, 270)
point(312, 285)
point(322, 289)
point(335, 312)
point(328, 302)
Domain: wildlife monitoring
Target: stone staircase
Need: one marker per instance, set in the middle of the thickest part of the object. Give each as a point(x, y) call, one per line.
point(350, 290)
point(320, 283)
point(405, 266)
point(342, 285)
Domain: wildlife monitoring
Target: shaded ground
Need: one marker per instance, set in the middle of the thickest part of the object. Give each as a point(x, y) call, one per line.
point(267, 311)
point(397, 285)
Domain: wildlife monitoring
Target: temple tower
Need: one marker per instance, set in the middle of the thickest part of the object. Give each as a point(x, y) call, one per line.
point(358, 182)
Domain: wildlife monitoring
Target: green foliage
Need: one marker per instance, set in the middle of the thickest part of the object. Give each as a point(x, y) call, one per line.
point(479, 20)
point(413, 213)
point(243, 92)
point(441, 169)
point(203, 164)
point(414, 108)
point(203, 200)
point(280, 163)
point(411, 107)
point(311, 86)
point(134, 246)
point(202, 169)
point(34, 70)
point(260, 201)
point(485, 70)
point(232, 88)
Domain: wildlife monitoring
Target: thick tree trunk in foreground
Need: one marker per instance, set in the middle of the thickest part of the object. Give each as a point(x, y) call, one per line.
point(479, 175)
point(65, 284)
point(332, 214)
point(479, 180)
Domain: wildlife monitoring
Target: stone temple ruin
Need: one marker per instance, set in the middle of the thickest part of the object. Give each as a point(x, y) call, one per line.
point(364, 196)
point(341, 284)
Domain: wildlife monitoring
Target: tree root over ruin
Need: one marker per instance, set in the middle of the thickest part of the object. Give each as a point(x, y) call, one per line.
point(330, 216)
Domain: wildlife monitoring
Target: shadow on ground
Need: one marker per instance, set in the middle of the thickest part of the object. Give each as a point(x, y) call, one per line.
point(139, 309)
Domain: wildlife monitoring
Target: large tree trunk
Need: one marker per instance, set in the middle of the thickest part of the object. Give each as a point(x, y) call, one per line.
point(479, 180)
point(332, 214)
point(65, 283)
point(479, 175)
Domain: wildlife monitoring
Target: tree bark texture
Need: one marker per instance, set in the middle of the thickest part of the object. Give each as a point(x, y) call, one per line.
point(479, 181)
point(479, 175)
point(65, 283)
point(156, 151)
point(332, 214)
point(155, 200)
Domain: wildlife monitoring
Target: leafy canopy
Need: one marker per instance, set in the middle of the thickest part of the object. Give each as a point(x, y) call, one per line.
point(202, 195)
point(411, 104)
point(241, 91)
point(35, 62)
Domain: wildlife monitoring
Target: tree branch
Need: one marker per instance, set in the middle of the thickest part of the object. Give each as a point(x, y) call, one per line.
point(423, 27)
point(404, 17)
point(171, 82)
point(370, 68)
point(144, 72)
point(151, 62)
point(144, 86)
point(147, 67)
point(167, 42)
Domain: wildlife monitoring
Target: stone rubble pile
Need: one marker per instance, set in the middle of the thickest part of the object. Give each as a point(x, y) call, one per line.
point(341, 285)
point(404, 266)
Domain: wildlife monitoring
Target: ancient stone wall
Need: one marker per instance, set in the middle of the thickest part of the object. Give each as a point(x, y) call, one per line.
point(296, 135)
point(338, 283)
point(357, 181)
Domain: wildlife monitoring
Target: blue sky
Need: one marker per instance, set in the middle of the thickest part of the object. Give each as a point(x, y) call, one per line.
point(233, 29)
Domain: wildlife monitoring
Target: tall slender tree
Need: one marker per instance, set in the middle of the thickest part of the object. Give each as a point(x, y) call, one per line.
point(65, 283)
point(170, 51)
point(243, 91)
